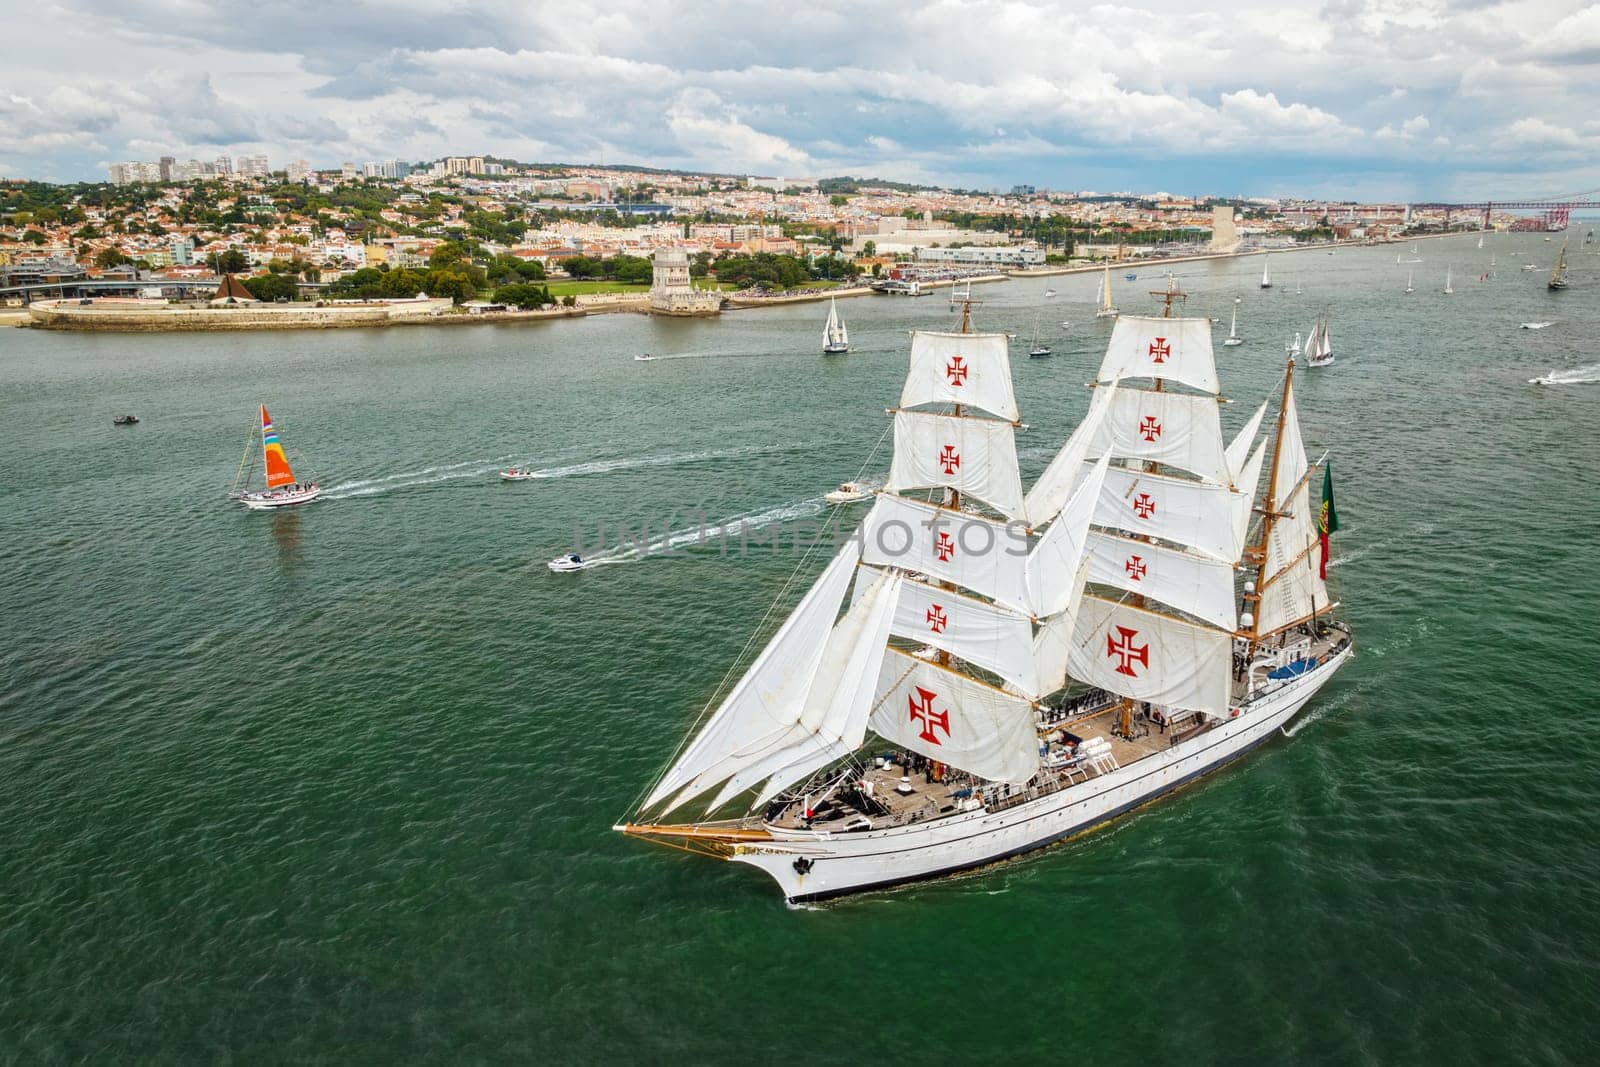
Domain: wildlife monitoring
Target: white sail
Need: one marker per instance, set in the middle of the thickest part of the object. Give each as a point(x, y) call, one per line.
point(1179, 429)
point(1266, 282)
point(1177, 350)
point(833, 330)
point(1174, 509)
point(1052, 645)
point(976, 553)
point(1291, 586)
point(1245, 492)
point(960, 368)
point(1233, 326)
point(1188, 581)
point(1105, 290)
point(1149, 656)
point(975, 456)
point(1054, 562)
point(1239, 448)
point(757, 716)
point(955, 719)
point(834, 720)
point(986, 635)
point(1049, 494)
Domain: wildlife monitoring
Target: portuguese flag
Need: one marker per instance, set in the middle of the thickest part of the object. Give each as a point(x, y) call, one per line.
point(1328, 518)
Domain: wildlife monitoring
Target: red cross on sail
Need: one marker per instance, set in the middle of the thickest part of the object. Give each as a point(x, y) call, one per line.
point(949, 459)
point(956, 370)
point(1136, 567)
point(1122, 649)
point(1160, 349)
point(937, 619)
point(921, 708)
point(944, 546)
point(1144, 506)
point(1149, 428)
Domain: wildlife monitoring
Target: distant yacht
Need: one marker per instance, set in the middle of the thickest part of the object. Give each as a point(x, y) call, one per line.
point(282, 489)
point(1233, 329)
point(835, 338)
point(1106, 310)
point(1319, 348)
point(1409, 287)
point(1266, 279)
point(1449, 290)
point(1558, 276)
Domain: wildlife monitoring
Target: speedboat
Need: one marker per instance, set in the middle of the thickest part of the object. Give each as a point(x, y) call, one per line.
point(1530, 266)
point(847, 493)
point(124, 420)
point(570, 562)
point(1536, 325)
point(285, 497)
point(643, 357)
point(1038, 351)
point(518, 474)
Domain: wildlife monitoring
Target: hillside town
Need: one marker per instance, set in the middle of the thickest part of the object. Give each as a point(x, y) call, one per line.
point(474, 228)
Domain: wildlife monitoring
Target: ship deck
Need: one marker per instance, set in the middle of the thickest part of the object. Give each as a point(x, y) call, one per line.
point(895, 787)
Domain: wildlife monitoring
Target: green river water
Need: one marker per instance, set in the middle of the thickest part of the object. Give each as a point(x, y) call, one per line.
point(337, 783)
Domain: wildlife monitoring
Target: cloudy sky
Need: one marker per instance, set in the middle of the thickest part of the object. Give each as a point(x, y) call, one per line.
point(1410, 99)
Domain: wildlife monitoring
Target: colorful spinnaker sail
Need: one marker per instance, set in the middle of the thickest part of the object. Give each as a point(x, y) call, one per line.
point(278, 472)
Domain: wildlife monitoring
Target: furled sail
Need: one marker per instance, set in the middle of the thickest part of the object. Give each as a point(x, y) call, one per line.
point(767, 702)
point(976, 553)
point(955, 719)
point(1178, 350)
point(1292, 586)
point(975, 456)
point(1053, 564)
point(1179, 429)
point(833, 722)
point(1189, 513)
point(960, 368)
point(1049, 494)
point(1149, 656)
point(1239, 447)
point(1188, 581)
point(986, 635)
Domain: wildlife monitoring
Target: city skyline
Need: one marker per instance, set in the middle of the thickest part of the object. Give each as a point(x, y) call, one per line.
point(1364, 99)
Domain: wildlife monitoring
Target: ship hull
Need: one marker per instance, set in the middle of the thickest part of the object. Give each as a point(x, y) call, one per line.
point(836, 864)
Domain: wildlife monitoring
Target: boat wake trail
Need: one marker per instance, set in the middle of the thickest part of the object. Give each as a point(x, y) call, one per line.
point(726, 533)
point(476, 468)
point(1412, 636)
point(1421, 529)
point(1576, 376)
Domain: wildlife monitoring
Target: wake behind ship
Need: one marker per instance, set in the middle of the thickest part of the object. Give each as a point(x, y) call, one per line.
point(979, 698)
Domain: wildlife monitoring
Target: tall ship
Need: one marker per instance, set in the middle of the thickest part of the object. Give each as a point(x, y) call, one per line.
point(1558, 274)
point(981, 671)
point(835, 338)
point(1319, 346)
point(281, 488)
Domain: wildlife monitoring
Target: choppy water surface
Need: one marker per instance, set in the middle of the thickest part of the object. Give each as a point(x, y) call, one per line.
point(337, 782)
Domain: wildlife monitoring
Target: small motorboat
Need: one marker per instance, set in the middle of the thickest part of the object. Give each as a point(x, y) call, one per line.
point(1530, 266)
point(570, 562)
point(1536, 325)
point(1131, 277)
point(847, 493)
point(518, 474)
point(643, 357)
point(1038, 351)
point(124, 420)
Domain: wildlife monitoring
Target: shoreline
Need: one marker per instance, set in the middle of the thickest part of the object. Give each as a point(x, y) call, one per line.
point(70, 316)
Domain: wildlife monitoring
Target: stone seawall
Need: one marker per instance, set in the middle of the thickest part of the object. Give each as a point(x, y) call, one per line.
point(65, 315)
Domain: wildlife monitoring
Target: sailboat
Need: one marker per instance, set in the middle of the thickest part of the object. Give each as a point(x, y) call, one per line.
point(1480, 242)
point(1319, 348)
point(1019, 690)
point(282, 489)
point(1106, 309)
point(1266, 282)
point(1233, 337)
point(1449, 290)
point(1409, 287)
point(835, 338)
point(1558, 276)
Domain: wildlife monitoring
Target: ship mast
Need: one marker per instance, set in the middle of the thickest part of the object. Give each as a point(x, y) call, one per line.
point(1269, 510)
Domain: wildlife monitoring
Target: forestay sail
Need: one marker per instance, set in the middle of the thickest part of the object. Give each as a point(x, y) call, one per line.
point(955, 719)
point(1145, 655)
point(1188, 581)
point(1292, 587)
point(1179, 429)
point(960, 368)
point(1053, 564)
point(976, 553)
point(1177, 350)
point(975, 456)
point(1239, 448)
point(766, 703)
